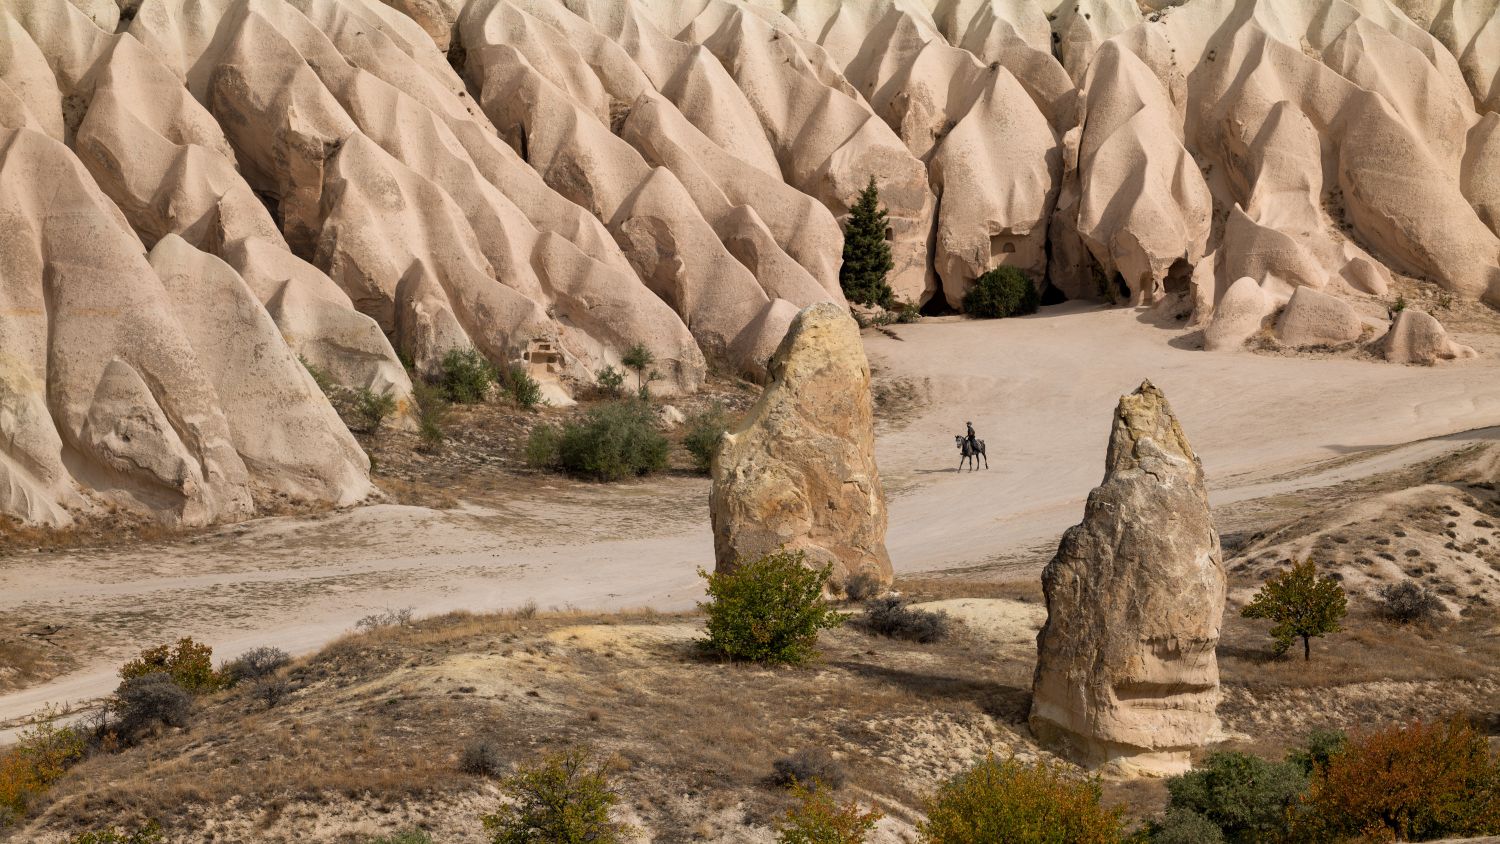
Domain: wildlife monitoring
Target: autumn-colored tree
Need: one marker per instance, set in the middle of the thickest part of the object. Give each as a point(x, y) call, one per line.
point(43, 753)
point(1408, 783)
point(188, 663)
point(819, 819)
point(1301, 604)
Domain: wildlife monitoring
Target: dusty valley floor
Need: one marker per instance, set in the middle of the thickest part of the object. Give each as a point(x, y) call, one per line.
point(1347, 459)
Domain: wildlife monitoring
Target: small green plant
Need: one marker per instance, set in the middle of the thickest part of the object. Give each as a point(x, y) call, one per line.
point(867, 252)
point(614, 441)
point(703, 432)
point(639, 359)
point(432, 413)
point(413, 836)
point(466, 376)
point(189, 664)
point(1002, 292)
point(562, 799)
point(542, 446)
point(148, 834)
point(818, 819)
point(372, 408)
point(320, 376)
point(1301, 604)
point(1019, 803)
point(768, 610)
point(523, 389)
point(611, 382)
point(1244, 798)
point(1398, 305)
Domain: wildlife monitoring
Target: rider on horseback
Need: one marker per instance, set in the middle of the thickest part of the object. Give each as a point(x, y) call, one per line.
point(973, 442)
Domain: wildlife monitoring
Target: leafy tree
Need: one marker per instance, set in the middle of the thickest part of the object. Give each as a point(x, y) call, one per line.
point(819, 819)
point(1321, 746)
point(1245, 798)
point(43, 752)
point(611, 381)
point(769, 610)
point(563, 799)
point(1301, 604)
point(189, 664)
point(867, 254)
point(1019, 803)
point(466, 376)
point(639, 359)
point(1002, 292)
point(1406, 783)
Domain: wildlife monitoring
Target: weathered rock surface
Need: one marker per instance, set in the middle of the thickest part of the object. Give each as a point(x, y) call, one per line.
point(799, 473)
point(1417, 337)
point(1126, 673)
point(395, 178)
point(1317, 319)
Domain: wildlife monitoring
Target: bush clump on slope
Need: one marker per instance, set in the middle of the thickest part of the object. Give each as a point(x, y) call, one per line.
point(564, 798)
point(188, 664)
point(704, 431)
point(768, 610)
point(1242, 799)
point(467, 376)
point(818, 819)
point(1002, 292)
point(1019, 803)
point(614, 441)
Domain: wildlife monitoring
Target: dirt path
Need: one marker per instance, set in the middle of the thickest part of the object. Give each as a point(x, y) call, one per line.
point(1040, 391)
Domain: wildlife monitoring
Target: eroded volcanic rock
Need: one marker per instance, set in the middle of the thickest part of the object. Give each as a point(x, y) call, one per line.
point(1126, 674)
point(799, 473)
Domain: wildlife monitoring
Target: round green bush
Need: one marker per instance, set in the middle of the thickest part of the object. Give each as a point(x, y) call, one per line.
point(1019, 803)
point(1002, 292)
point(614, 441)
point(768, 610)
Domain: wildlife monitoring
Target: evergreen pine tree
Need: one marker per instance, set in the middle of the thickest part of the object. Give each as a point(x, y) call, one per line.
point(867, 255)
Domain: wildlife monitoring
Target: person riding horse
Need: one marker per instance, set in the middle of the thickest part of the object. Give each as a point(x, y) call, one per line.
point(973, 441)
point(971, 448)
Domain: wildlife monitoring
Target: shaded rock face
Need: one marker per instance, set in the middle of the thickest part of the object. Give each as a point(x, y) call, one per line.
point(1126, 675)
point(799, 473)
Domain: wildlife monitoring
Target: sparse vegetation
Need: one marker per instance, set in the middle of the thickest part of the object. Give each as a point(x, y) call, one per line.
point(143, 703)
point(894, 617)
point(482, 757)
point(639, 359)
point(818, 819)
point(1301, 604)
point(867, 252)
point(1002, 292)
point(768, 610)
point(1408, 601)
point(372, 408)
point(255, 664)
point(1408, 783)
point(148, 834)
point(320, 376)
point(188, 664)
point(812, 766)
point(562, 799)
point(1019, 803)
point(703, 431)
point(1243, 799)
point(610, 381)
point(862, 586)
point(614, 441)
point(523, 389)
point(415, 836)
point(400, 617)
point(43, 753)
point(466, 376)
point(432, 413)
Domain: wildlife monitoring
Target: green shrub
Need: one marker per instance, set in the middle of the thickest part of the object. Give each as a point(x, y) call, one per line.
point(1181, 826)
point(867, 253)
point(372, 408)
point(563, 799)
point(1321, 746)
point(1406, 783)
point(142, 703)
point(1002, 292)
point(614, 441)
point(640, 359)
point(415, 836)
point(432, 413)
point(1246, 798)
point(189, 664)
point(703, 432)
point(1019, 803)
point(466, 376)
point(148, 834)
point(542, 447)
point(768, 610)
point(1302, 604)
point(818, 819)
point(523, 389)
point(611, 382)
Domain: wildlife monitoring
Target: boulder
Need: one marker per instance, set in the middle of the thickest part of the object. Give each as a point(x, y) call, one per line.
point(1318, 319)
point(1416, 337)
point(799, 472)
point(1126, 675)
point(1237, 317)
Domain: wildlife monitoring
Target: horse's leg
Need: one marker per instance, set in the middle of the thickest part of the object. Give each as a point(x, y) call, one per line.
point(986, 456)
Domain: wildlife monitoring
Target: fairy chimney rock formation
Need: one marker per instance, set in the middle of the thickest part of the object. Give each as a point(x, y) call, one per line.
point(799, 472)
point(1126, 676)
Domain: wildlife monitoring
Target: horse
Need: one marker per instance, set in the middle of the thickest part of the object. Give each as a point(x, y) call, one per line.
point(971, 453)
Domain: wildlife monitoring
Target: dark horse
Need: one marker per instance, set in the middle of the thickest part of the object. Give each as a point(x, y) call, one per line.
point(971, 453)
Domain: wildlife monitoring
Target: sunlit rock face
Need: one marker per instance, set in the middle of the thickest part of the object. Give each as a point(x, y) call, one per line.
point(1126, 675)
point(552, 182)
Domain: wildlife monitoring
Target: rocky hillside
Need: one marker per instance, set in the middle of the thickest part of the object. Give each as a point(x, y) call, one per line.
point(197, 193)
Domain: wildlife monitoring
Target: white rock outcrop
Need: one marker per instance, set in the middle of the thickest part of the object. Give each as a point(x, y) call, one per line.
point(1126, 674)
point(1417, 337)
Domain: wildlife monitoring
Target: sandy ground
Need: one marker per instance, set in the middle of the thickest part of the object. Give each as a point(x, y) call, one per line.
point(1040, 390)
